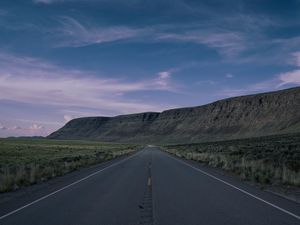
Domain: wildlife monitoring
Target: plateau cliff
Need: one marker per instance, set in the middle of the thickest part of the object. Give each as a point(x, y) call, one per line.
point(238, 117)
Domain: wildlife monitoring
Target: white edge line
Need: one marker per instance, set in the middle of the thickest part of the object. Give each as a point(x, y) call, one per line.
point(239, 189)
point(65, 187)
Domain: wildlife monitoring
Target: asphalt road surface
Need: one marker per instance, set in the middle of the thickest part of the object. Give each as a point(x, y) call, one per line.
point(149, 187)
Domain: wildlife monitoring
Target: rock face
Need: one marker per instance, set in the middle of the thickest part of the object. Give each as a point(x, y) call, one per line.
point(239, 117)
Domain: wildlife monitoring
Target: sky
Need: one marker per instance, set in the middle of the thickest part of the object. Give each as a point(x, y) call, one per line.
point(63, 59)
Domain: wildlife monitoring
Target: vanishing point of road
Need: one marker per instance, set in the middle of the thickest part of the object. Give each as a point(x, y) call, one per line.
point(148, 187)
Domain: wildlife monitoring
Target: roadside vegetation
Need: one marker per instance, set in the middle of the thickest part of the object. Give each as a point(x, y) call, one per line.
point(266, 160)
point(27, 161)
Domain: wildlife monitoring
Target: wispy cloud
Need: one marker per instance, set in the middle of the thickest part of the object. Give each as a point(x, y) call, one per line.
point(68, 118)
point(34, 81)
point(263, 86)
point(292, 77)
point(228, 37)
point(33, 130)
point(2, 127)
point(15, 128)
point(70, 93)
point(295, 59)
point(36, 127)
point(279, 81)
point(56, 123)
point(229, 76)
point(77, 91)
point(72, 33)
point(163, 79)
point(230, 34)
point(228, 44)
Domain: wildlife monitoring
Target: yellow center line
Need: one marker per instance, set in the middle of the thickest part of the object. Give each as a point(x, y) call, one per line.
point(149, 181)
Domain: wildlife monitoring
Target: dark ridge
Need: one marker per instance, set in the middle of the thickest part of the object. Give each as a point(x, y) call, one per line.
point(239, 117)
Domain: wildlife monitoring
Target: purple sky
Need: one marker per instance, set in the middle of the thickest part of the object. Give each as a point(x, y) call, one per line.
point(62, 59)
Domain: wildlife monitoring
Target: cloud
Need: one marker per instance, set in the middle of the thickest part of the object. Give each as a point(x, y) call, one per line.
point(67, 118)
point(229, 76)
point(75, 34)
point(296, 59)
point(228, 41)
point(33, 127)
point(2, 127)
point(36, 127)
point(228, 44)
point(51, 123)
point(30, 80)
point(248, 22)
point(15, 128)
point(284, 79)
point(163, 79)
point(287, 43)
point(70, 93)
point(164, 75)
point(292, 77)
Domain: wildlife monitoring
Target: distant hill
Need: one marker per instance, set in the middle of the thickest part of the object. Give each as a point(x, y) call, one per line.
point(239, 117)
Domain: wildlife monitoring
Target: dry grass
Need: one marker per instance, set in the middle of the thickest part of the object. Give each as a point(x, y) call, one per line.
point(267, 160)
point(25, 162)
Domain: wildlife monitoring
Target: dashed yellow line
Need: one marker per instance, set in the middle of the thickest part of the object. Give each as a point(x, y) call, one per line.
point(149, 181)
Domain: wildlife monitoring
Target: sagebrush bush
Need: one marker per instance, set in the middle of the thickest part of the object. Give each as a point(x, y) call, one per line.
point(25, 162)
point(267, 160)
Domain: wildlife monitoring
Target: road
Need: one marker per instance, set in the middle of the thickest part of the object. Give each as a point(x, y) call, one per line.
point(150, 187)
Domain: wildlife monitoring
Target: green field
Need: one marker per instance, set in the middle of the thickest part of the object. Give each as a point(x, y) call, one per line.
point(266, 160)
point(28, 161)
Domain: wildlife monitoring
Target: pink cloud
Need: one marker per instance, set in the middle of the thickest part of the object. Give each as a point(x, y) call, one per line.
point(36, 127)
point(67, 118)
point(15, 128)
point(292, 77)
point(31, 80)
point(2, 127)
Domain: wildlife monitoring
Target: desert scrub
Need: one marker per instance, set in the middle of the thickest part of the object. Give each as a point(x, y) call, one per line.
point(266, 160)
point(27, 161)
